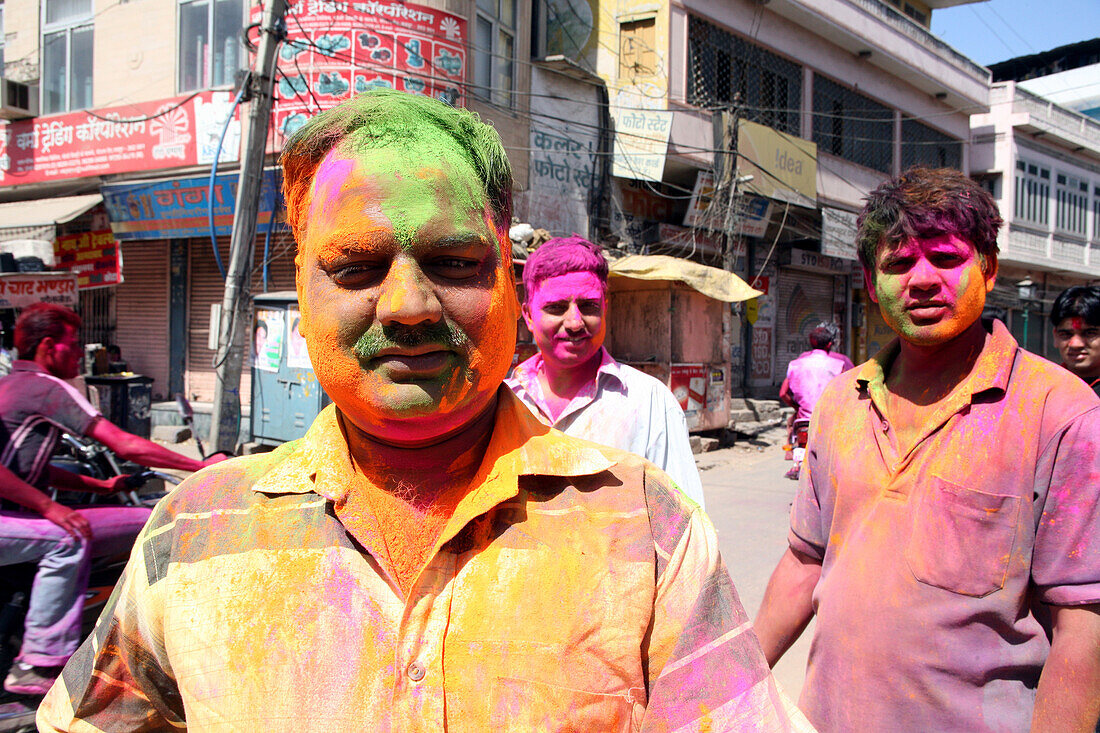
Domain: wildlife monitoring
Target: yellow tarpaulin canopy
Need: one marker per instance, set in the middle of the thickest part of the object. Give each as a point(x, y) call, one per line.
point(710, 281)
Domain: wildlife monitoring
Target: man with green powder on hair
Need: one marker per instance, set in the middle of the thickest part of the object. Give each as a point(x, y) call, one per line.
point(429, 556)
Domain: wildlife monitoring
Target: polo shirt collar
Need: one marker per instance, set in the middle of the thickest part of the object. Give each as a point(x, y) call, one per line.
point(991, 370)
point(520, 446)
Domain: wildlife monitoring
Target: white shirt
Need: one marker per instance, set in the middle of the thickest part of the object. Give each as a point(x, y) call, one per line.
point(625, 409)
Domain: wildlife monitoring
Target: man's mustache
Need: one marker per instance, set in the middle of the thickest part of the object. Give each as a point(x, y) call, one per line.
point(399, 335)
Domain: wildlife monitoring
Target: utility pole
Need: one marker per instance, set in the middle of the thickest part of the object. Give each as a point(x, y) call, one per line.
point(225, 420)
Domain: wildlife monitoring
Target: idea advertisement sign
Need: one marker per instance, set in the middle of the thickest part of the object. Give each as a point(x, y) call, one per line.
point(169, 133)
point(336, 49)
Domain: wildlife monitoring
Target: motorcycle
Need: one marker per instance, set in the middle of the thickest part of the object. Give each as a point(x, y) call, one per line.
point(796, 446)
point(82, 455)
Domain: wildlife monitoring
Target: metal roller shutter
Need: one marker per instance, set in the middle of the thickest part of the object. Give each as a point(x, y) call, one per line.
point(805, 300)
point(141, 303)
point(207, 288)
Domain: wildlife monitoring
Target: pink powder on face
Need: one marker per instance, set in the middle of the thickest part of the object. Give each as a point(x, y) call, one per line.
point(566, 315)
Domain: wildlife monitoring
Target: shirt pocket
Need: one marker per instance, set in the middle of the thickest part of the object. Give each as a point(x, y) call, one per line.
point(527, 705)
point(962, 539)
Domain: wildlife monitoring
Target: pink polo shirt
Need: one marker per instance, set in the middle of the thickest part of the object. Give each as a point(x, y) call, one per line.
point(930, 559)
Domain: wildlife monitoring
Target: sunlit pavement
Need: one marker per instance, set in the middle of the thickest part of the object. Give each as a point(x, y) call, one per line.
point(748, 500)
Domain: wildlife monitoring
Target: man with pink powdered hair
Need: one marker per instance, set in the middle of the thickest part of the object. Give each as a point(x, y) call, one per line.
point(574, 385)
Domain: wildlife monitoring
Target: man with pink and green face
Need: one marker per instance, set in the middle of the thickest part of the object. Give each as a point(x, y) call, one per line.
point(946, 532)
point(574, 384)
point(429, 556)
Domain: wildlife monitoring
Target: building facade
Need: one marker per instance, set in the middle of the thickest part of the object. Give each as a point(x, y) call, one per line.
point(1042, 164)
point(798, 108)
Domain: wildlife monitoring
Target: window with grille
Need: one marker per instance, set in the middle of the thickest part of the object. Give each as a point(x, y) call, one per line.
point(210, 49)
point(921, 145)
point(852, 126)
point(723, 67)
point(495, 51)
point(1096, 213)
point(66, 55)
point(1071, 204)
point(1032, 193)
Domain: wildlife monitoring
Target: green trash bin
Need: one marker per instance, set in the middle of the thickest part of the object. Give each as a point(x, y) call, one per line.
point(125, 400)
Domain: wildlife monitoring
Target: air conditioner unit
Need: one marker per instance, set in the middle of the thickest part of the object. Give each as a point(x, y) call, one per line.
point(17, 100)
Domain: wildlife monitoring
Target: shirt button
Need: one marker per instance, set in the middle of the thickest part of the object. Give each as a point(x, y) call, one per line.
point(885, 426)
point(415, 672)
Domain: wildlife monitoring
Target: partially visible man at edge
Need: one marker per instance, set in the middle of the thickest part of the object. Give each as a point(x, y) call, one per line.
point(36, 405)
point(573, 383)
point(1075, 317)
point(951, 485)
point(429, 556)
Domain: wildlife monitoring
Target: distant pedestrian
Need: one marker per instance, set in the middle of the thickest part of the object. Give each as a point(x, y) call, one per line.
point(950, 487)
point(806, 379)
point(1076, 320)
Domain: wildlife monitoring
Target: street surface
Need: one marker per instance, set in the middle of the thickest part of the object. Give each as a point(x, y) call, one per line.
point(748, 500)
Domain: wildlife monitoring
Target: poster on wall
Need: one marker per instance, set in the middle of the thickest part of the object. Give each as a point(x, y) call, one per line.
point(688, 383)
point(297, 356)
point(267, 339)
point(91, 256)
point(335, 50)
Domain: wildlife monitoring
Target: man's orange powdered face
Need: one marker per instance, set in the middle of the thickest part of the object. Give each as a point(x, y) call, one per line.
point(931, 290)
point(407, 295)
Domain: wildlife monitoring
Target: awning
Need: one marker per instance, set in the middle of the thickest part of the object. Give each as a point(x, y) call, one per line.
point(37, 219)
point(710, 281)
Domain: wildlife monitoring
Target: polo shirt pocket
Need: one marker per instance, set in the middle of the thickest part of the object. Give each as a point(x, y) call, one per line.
point(962, 539)
point(526, 705)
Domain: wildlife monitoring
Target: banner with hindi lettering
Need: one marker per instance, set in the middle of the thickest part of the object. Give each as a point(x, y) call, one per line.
point(178, 207)
point(18, 290)
point(91, 256)
point(335, 49)
point(153, 135)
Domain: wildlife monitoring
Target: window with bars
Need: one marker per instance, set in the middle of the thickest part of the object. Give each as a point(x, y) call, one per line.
point(1071, 204)
point(851, 126)
point(921, 145)
point(1032, 193)
point(66, 55)
point(1096, 213)
point(495, 51)
point(723, 66)
point(210, 50)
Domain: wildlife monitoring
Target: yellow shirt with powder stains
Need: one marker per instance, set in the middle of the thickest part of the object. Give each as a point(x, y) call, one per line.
point(573, 589)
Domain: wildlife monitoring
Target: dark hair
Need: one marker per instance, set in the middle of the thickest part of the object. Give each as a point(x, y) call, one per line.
point(823, 335)
point(560, 256)
point(1080, 301)
point(925, 203)
point(386, 118)
point(39, 322)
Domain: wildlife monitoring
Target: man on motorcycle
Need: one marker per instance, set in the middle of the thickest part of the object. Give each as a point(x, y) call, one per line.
point(36, 405)
point(806, 379)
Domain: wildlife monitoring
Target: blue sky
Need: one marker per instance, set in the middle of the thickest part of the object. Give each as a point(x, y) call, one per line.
point(997, 30)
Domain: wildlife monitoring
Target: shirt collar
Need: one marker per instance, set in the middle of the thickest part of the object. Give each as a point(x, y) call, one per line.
point(26, 365)
point(526, 374)
point(520, 446)
point(991, 370)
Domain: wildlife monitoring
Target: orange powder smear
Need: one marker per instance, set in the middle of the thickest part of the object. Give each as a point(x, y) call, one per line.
point(401, 533)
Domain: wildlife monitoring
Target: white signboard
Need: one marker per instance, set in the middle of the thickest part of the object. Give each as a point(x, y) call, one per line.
point(641, 142)
point(838, 233)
